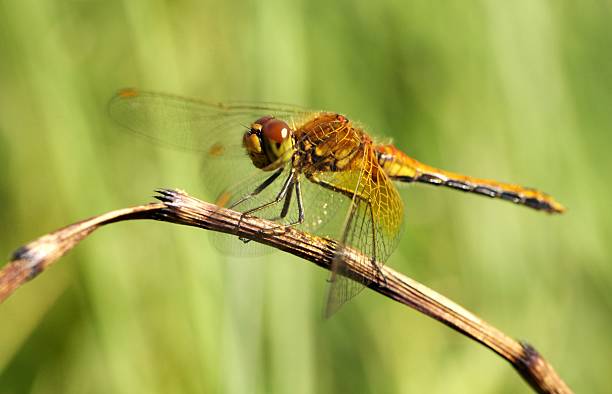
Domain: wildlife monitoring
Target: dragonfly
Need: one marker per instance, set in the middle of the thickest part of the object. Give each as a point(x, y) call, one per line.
point(314, 170)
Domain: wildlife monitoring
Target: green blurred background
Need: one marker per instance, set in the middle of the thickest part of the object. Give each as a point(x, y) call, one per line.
point(518, 91)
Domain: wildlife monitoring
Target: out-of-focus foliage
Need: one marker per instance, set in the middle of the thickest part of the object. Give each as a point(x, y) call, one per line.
point(514, 90)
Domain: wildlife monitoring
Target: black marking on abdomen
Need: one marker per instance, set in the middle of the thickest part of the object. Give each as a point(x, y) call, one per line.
point(509, 196)
point(537, 204)
point(530, 202)
point(464, 187)
point(431, 179)
point(485, 191)
point(403, 178)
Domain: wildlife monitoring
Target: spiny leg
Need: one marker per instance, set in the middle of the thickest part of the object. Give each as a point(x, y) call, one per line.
point(287, 204)
point(284, 211)
point(300, 203)
point(259, 188)
point(283, 192)
point(300, 206)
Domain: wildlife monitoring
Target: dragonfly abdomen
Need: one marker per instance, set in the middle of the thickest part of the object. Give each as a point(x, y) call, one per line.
point(402, 168)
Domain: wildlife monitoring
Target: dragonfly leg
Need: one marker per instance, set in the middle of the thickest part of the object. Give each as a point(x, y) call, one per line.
point(287, 203)
point(300, 203)
point(300, 206)
point(279, 197)
point(258, 189)
point(283, 214)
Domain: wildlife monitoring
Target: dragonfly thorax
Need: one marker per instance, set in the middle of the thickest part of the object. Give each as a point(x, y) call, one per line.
point(269, 142)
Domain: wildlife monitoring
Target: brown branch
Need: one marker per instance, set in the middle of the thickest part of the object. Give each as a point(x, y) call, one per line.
point(178, 207)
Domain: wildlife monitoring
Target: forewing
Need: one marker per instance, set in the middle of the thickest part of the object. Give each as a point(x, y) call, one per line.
point(194, 125)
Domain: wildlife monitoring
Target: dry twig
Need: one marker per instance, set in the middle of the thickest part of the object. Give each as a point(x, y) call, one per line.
point(178, 207)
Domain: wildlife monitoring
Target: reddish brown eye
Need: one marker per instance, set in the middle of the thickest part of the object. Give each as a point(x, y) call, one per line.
point(276, 130)
point(259, 123)
point(341, 118)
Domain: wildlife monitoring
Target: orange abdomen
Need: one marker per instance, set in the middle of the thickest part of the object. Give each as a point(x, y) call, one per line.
point(401, 167)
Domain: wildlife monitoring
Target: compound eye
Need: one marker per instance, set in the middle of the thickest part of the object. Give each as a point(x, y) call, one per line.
point(276, 130)
point(259, 123)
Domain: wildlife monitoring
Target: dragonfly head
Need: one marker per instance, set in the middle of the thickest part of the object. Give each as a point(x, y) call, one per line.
point(269, 140)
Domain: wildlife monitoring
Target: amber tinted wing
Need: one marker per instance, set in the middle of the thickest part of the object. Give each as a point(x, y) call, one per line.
point(372, 226)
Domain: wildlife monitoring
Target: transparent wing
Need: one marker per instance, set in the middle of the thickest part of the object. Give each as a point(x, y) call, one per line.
point(372, 226)
point(194, 125)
